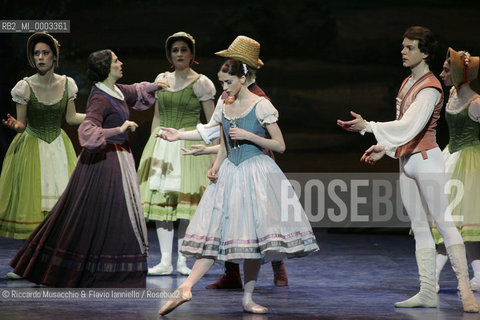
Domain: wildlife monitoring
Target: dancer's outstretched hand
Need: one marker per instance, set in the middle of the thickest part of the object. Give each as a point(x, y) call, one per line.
point(355, 125)
point(197, 150)
point(373, 154)
point(169, 134)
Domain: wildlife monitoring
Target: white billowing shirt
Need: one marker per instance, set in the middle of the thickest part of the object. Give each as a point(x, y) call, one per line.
point(393, 134)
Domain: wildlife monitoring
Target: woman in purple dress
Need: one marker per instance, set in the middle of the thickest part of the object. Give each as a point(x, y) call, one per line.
point(95, 236)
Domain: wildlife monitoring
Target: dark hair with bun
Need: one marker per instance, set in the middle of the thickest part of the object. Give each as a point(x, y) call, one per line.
point(233, 67)
point(99, 64)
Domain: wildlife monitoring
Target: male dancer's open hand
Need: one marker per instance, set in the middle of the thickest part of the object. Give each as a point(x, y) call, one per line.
point(373, 154)
point(356, 125)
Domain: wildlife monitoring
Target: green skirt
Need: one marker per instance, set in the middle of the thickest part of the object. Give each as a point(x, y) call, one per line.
point(21, 186)
point(172, 205)
point(463, 168)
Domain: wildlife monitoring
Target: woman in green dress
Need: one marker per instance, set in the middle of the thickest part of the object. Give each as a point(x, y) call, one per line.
point(41, 157)
point(462, 156)
point(171, 185)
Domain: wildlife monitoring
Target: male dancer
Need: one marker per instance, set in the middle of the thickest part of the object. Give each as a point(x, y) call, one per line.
point(412, 139)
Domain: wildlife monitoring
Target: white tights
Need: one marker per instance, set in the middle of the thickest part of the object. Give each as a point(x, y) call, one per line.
point(200, 267)
point(422, 187)
point(250, 275)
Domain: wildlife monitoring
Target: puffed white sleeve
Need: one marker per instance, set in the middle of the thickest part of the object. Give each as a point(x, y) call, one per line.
point(211, 131)
point(72, 89)
point(474, 110)
point(266, 112)
point(204, 89)
point(160, 76)
point(21, 92)
point(393, 134)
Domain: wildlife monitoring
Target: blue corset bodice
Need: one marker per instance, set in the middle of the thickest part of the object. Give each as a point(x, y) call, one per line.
point(241, 150)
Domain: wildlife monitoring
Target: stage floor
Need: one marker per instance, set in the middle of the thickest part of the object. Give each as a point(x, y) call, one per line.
point(353, 276)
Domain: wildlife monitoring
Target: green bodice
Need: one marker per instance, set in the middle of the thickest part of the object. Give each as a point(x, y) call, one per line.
point(179, 109)
point(44, 121)
point(463, 131)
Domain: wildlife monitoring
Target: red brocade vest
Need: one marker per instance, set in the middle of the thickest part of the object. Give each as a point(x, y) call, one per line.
point(426, 139)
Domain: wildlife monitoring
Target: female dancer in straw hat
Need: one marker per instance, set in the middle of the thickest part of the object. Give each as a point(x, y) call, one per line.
point(462, 155)
point(171, 185)
point(247, 51)
point(96, 236)
point(240, 216)
point(41, 158)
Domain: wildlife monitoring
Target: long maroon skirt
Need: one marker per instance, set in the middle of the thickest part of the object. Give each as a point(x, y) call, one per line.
point(87, 240)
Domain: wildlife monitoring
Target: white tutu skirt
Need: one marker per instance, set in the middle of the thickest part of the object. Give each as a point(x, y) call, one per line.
point(240, 217)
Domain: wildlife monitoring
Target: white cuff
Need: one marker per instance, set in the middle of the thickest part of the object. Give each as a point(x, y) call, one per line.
point(366, 129)
point(208, 134)
point(19, 100)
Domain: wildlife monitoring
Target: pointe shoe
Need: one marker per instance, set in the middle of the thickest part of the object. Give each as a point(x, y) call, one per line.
point(13, 276)
point(252, 307)
point(160, 270)
point(173, 303)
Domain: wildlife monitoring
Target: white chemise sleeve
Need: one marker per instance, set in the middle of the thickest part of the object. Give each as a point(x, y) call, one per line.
point(204, 89)
point(72, 89)
point(211, 131)
point(160, 76)
point(474, 110)
point(393, 134)
point(266, 112)
point(21, 92)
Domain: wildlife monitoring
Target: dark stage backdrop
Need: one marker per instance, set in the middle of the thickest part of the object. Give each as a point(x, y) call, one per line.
point(322, 59)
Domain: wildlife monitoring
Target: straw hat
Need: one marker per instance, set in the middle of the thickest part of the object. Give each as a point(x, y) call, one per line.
point(462, 73)
point(41, 37)
point(244, 49)
point(183, 36)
